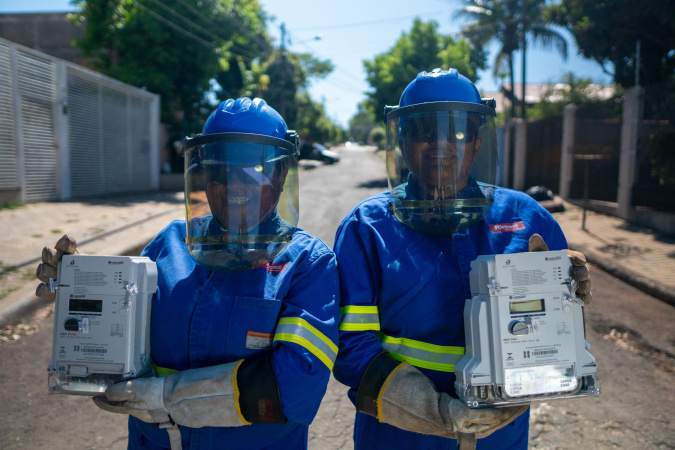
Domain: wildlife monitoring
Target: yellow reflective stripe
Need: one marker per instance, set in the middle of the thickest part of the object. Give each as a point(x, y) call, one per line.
point(444, 349)
point(162, 371)
point(440, 367)
point(301, 332)
point(306, 325)
point(359, 318)
point(358, 309)
point(442, 358)
point(359, 327)
point(307, 345)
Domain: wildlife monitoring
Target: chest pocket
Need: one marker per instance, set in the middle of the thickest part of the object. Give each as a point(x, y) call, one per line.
point(251, 325)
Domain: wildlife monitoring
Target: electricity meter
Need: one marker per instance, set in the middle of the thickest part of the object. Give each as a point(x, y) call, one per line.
point(101, 322)
point(524, 332)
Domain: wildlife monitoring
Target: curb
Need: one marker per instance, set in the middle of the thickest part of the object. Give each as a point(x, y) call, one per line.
point(27, 302)
point(644, 284)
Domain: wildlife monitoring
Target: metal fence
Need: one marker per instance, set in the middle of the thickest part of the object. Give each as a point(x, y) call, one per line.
point(597, 148)
point(655, 184)
point(71, 132)
point(544, 139)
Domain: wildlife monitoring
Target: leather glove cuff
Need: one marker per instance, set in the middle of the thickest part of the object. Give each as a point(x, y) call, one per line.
point(370, 386)
point(259, 397)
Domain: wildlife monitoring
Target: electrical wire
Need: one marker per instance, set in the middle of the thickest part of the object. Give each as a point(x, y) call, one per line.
point(214, 36)
point(357, 24)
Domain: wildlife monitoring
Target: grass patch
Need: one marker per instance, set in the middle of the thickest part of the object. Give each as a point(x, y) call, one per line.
point(57, 230)
point(11, 205)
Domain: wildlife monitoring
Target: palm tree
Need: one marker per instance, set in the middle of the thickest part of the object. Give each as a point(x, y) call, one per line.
point(494, 20)
point(510, 22)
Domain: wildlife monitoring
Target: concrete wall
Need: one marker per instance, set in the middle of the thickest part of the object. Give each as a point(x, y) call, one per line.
point(50, 33)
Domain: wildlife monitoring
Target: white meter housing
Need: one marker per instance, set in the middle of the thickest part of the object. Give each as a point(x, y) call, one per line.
point(524, 333)
point(101, 322)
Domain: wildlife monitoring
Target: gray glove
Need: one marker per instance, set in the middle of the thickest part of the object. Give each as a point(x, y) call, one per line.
point(400, 395)
point(50, 261)
point(580, 272)
point(206, 397)
point(411, 402)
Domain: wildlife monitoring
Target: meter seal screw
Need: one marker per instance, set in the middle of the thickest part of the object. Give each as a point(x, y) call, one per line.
point(132, 290)
point(493, 286)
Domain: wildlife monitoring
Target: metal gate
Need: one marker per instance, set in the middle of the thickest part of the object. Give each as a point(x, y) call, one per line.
point(71, 132)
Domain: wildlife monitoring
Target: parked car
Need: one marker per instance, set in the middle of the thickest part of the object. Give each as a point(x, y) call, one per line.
point(318, 152)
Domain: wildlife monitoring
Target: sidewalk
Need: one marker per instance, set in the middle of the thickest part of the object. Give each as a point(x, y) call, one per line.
point(117, 225)
point(635, 254)
point(123, 225)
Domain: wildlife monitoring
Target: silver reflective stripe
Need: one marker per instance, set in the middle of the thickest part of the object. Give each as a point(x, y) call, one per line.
point(299, 331)
point(442, 358)
point(359, 318)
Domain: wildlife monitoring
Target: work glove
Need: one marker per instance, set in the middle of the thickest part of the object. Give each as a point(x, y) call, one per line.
point(409, 400)
point(50, 261)
point(196, 398)
point(580, 271)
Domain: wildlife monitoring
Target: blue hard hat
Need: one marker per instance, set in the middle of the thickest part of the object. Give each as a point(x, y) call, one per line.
point(246, 116)
point(440, 86)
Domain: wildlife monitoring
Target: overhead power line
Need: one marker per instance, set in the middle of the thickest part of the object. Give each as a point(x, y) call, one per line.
point(176, 27)
point(214, 36)
point(372, 22)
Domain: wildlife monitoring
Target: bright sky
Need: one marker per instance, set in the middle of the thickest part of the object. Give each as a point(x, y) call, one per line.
point(356, 30)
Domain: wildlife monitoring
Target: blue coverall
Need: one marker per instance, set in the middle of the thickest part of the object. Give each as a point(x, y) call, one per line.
point(202, 318)
point(404, 291)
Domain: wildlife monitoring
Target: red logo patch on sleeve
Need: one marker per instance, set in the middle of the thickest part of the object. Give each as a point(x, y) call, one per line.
point(275, 267)
point(507, 227)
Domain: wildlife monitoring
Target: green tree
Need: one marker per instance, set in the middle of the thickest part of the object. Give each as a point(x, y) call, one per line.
point(312, 123)
point(423, 48)
point(574, 90)
point(361, 123)
point(512, 23)
point(607, 32)
point(494, 21)
point(289, 75)
point(175, 51)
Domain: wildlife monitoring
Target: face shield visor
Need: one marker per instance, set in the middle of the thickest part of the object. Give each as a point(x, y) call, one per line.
point(241, 195)
point(441, 164)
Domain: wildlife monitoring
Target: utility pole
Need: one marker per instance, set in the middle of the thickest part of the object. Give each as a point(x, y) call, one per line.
point(523, 31)
point(282, 80)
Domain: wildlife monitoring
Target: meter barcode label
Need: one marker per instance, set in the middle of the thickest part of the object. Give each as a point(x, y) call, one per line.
point(95, 350)
point(550, 351)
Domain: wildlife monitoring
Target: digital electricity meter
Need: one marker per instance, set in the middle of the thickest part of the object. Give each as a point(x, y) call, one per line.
point(101, 322)
point(524, 332)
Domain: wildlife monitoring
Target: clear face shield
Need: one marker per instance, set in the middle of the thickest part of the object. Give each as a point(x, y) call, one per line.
point(441, 164)
point(241, 195)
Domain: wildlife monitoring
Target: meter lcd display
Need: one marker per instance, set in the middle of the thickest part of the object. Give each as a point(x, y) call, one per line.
point(82, 305)
point(527, 306)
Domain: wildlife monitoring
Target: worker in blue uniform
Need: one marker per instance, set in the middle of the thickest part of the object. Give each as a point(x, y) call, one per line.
point(404, 260)
point(244, 321)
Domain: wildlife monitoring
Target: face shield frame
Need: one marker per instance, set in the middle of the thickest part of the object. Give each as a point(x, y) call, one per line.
point(440, 181)
point(257, 180)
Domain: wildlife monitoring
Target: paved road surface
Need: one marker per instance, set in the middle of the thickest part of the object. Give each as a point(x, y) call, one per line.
point(631, 336)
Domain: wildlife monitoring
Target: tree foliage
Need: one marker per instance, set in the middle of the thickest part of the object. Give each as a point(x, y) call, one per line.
point(514, 24)
point(421, 49)
point(608, 31)
point(361, 123)
point(197, 52)
point(578, 91)
point(174, 50)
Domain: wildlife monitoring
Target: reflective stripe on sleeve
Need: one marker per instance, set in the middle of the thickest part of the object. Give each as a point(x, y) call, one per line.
point(299, 331)
point(442, 358)
point(359, 318)
point(162, 371)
